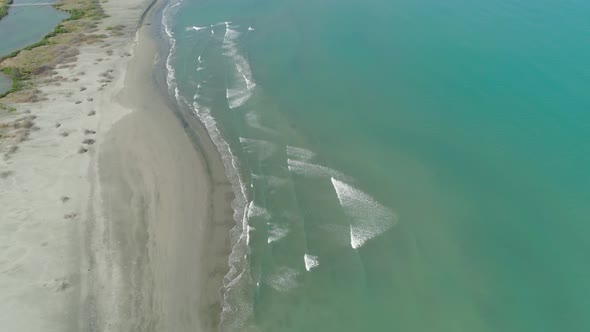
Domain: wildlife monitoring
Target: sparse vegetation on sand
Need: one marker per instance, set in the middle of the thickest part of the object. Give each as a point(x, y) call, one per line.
point(7, 108)
point(58, 47)
point(14, 132)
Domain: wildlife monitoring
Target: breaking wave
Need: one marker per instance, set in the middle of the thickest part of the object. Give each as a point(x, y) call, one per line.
point(261, 148)
point(299, 153)
point(255, 211)
point(196, 28)
point(253, 121)
point(312, 170)
point(311, 261)
point(276, 232)
point(239, 90)
point(236, 305)
point(368, 218)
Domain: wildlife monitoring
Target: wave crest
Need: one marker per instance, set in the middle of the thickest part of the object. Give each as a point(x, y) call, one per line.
point(368, 218)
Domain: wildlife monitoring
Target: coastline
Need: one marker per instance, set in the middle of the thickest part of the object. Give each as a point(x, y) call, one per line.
point(122, 222)
point(4, 7)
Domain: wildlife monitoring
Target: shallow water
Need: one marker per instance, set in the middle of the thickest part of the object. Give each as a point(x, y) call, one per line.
point(5, 83)
point(24, 26)
point(410, 165)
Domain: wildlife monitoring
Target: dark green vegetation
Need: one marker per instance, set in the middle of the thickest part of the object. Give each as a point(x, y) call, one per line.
point(4, 7)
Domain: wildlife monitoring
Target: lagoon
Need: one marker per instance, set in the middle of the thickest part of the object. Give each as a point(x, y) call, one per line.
point(24, 26)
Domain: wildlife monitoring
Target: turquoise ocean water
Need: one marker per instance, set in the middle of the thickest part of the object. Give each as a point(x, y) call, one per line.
point(406, 165)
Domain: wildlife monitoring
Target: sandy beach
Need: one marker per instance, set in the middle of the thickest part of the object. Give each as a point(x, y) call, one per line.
point(114, 211)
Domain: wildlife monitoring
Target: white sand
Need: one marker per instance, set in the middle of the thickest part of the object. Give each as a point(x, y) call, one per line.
point(140, 243)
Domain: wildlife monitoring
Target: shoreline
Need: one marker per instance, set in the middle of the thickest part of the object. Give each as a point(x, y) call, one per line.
point(4, 7)
point(139, 239)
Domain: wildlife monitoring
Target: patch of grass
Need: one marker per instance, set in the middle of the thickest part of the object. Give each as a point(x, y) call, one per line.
point(90, 10)
point(19, 79)
point(76, 14)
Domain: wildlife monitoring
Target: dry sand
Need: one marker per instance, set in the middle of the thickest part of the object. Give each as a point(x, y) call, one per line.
point(111, 217)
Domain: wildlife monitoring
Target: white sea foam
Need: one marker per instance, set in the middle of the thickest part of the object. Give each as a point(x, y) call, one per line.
point(311, 261)
point(261, 148)
point(196, 28)
point(276, 232)
point(240, 87)
point(229, 41)
point(237, 98)
point(283, 279)
point(248, 230)
point(299, 153)
point(255, 211)
point(241, 308)
point(236, 307)
point(368, 218)
point(243, 68)
point(236, 304)
point(312, 170)
point(253, 121)
point(170, 73)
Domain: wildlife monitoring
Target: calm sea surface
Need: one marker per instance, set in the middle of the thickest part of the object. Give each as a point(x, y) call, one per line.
point(409, 166)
